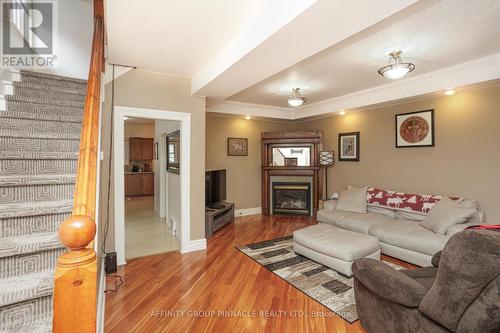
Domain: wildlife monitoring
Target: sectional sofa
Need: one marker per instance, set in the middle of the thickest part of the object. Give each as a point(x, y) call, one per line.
point(397, 226)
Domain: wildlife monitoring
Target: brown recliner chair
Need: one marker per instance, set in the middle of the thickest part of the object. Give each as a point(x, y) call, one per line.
point(459, 293)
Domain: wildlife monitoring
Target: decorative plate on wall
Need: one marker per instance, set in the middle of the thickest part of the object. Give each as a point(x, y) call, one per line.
point(415, 129)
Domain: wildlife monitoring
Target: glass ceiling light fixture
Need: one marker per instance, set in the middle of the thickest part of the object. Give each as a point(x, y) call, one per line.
point(296, 98)
point(396, 68)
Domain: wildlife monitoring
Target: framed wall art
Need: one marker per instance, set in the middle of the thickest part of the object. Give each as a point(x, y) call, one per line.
point(174, 152)
point(156, 150)
point(415, 129)
point(237, 147)
point(349, 146)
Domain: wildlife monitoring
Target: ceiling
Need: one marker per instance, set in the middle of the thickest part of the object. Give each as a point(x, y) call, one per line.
point(429, 39)
point(245, 56)
point(177, 37)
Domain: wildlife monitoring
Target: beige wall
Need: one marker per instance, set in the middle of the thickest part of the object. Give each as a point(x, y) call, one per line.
point(243, 172)
point(139, 131)
point(143, 89)
point(465, 160)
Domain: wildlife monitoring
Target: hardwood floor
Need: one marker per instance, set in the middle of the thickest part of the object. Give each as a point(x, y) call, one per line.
point(171, 292)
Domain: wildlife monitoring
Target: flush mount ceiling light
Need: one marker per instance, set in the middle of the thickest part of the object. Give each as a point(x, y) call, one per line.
point(296, 98)
point(396, 68)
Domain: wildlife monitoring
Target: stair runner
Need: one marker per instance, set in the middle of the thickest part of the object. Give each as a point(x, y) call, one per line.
point(39, 140)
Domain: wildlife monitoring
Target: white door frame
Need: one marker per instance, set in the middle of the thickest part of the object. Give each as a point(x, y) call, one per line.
point(119, 175)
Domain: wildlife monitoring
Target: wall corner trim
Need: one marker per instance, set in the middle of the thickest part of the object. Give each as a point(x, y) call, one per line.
point(248, 211)
point(196, 245)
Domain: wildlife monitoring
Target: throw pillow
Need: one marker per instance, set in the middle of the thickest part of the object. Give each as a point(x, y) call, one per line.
point(446, 213)
point(353, 200)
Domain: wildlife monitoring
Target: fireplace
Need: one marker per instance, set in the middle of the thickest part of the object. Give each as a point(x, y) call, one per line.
point(291, 198)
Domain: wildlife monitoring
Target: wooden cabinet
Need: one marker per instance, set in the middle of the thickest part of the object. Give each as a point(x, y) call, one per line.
point(139, 184)
point(133, 184)
point(148, 184)
point(135, 149)
point(140, 149)
point(147, 149)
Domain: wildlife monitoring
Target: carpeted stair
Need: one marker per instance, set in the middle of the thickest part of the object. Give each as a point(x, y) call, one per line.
point(40, 126)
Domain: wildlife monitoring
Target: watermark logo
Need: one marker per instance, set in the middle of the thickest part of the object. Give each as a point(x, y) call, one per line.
point(28, 34)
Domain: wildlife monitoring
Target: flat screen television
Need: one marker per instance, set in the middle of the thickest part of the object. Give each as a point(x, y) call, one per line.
point(215, 187)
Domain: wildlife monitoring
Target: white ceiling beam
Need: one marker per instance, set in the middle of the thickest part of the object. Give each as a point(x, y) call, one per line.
point(287, 32)
point(247, 109)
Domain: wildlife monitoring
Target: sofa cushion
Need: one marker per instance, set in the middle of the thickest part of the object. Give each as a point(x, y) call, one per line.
point(352, 200)
point(404, 215)
point(381, 210)
point(336, 242)
point(408, 235)
point(446, 213)
point(352, 221)
point(477, 217)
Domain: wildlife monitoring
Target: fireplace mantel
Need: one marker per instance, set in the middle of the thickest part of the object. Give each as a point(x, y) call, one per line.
point(312, 139)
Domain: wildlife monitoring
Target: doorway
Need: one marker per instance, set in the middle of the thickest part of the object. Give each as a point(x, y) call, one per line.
point(143, 223)
point(147, 227)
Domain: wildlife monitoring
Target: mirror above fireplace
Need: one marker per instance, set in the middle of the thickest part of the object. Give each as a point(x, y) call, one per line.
point(291, 156)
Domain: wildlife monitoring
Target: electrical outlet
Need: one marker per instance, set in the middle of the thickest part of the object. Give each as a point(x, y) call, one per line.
point(172, 226)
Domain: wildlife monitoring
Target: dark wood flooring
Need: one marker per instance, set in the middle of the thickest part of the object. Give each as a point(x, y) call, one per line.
point(171, 292)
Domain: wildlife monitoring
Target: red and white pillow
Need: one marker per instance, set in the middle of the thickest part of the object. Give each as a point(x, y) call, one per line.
point(414, 203)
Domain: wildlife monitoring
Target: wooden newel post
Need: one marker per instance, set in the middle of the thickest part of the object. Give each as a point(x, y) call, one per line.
point(75, 279)
point(75, 288)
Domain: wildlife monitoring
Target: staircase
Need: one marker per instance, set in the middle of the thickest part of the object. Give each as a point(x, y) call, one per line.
point(40, 124)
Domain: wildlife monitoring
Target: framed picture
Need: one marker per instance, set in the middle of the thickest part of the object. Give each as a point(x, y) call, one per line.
point(237, 147)
point(173, 152)
point(291, 161)
point(415, 129)
point(156, 150)
point(349, 146)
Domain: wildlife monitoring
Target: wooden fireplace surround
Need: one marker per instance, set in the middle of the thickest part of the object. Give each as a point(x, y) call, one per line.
point(313, 139)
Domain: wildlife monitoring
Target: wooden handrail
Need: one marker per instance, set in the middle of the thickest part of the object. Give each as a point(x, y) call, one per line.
point(75, 280)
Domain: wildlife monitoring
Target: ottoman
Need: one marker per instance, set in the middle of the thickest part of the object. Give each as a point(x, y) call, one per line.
point(335, 247)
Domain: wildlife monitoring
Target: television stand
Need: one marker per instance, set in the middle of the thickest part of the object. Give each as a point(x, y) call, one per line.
point(217, 216)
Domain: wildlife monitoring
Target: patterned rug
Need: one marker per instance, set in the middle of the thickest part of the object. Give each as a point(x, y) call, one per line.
point(330, 288)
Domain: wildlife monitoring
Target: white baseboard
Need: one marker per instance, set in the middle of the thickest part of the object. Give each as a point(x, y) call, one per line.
point(248, 211)
point(120, 261)
point(196, 245)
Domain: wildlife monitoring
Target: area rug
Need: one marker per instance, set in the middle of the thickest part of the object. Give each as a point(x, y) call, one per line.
point(330, 288)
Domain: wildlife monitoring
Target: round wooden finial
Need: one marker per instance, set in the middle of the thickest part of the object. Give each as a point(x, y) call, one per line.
point(77, 232)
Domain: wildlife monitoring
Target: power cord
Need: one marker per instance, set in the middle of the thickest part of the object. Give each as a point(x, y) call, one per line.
point(117, 285)
point(106, 226)
point(111, 144)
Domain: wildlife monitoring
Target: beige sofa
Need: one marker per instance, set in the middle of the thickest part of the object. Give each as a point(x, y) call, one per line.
point(399, 236)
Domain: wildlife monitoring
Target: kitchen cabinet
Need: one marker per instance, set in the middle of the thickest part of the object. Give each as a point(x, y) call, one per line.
point(147, 149)
point(140, 149)
point(135, 149)
point(148, 184)
point(134, 184)
point(139, 183)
